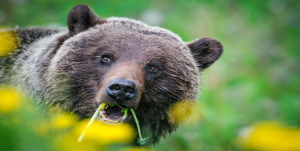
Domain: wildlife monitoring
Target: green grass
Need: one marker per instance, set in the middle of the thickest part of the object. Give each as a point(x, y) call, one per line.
point(256, 79)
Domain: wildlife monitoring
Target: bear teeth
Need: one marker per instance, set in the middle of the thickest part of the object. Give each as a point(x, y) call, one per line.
point(111, 114)
point(106, 119)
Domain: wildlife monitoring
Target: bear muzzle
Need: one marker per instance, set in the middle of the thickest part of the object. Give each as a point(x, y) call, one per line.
point(121, 90)
point(121, 95)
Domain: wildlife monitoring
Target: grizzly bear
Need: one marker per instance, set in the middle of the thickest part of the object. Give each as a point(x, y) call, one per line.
point(114, 60)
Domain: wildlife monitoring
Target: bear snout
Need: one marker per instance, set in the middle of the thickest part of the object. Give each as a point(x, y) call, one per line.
point(122, 84)
point(121, 90)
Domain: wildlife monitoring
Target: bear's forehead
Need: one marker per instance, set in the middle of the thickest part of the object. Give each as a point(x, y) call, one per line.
point(136, 39)
point(119, 23)
point(131, 35)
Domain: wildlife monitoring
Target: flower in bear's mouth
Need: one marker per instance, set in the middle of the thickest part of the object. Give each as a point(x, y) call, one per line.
point(111, 113)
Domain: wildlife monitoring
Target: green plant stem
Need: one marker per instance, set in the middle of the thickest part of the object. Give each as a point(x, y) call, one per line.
point(125, 111)
point(120, 106)
point(141, 140)
point(91, 121)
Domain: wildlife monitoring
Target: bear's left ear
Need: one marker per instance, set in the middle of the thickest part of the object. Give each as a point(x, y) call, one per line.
point(205, 51)
point(81, 17)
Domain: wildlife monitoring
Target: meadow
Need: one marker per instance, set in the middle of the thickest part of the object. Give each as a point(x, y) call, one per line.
point(249, 98)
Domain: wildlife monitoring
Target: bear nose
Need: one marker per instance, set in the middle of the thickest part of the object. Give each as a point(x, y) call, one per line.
point(121, 90)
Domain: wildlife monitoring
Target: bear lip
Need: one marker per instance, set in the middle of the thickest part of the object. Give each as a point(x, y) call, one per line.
point(112, 115)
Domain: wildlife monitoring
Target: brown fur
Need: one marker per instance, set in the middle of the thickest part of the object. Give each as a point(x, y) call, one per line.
point(64, 68)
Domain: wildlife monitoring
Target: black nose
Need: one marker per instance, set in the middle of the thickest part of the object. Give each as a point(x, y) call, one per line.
point(121, 90)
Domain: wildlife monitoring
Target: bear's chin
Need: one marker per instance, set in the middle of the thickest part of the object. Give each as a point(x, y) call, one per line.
point(112, 114)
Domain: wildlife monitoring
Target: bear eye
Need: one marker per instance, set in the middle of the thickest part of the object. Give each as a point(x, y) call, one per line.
point(153, 68)
point(105, 59)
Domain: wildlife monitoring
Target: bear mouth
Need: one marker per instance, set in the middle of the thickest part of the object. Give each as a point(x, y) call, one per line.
point(111, 113)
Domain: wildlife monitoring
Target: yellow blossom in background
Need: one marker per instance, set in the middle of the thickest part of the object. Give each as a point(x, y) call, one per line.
point(68, 142)
point(8, 42)
point(103, 133)
point(10, 99)
point(180, 111)
point(59, 121)
point(270, 136)
point(197, 114)
point(63, 120)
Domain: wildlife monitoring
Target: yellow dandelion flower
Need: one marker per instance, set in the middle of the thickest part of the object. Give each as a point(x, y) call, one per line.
point(104, 133)
point(180, 111)
point(8, 42)
point(270, 136)
point(64, 120)
point(10, 99)
point(69, 143)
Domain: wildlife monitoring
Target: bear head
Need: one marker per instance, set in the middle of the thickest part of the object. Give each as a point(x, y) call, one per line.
point(126, 62)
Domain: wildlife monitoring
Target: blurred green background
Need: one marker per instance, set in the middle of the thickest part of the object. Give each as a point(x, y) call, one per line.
point(256, 79)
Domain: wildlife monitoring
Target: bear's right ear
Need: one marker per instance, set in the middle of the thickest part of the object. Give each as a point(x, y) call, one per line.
point(81, 17)
point(205, 51)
